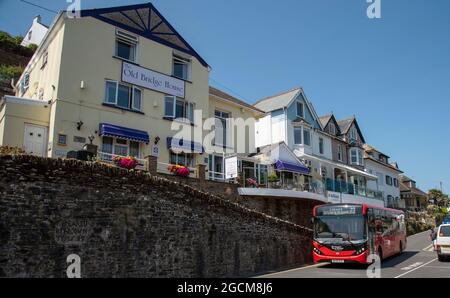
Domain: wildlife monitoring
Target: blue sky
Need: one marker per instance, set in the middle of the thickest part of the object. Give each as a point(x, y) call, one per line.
point(392, 73)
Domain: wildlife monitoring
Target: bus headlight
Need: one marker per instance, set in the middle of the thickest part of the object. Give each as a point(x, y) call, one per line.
point(317, 251)
point(360, 250)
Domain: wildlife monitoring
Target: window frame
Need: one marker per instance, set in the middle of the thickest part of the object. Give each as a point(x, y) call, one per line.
point(187, 106)
point(321, 146)
point(358, 155)
point(182, 60)
point(128, 39)
point(116, 143)
point(332, 131)
point(340, 153)
point(302, 109)
point(131, 97)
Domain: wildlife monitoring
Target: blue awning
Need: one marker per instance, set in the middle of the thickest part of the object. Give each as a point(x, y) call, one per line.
point(184, 146)
point(123, 133)
point(288, 167)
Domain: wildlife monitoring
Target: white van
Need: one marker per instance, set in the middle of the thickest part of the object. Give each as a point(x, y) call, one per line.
point(443, 242)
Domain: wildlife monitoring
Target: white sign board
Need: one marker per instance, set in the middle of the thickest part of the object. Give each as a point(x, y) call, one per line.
point(153, 80)
point(231, 168)
point(334, 197)
point(155, 151)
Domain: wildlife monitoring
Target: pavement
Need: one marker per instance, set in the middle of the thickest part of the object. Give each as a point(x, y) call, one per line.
point(418, 261)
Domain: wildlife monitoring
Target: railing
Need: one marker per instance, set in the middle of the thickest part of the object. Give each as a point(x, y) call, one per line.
point(163, 168)
point(353, 189)
point(109, 158)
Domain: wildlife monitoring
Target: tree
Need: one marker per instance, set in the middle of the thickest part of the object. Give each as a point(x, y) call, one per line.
point(439, 197)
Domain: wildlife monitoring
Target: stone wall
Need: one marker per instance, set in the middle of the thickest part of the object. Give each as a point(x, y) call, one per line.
point(131, 224)
point(295, 210)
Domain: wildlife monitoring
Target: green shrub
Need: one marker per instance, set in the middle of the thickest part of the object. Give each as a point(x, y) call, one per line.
point(12, 44)
point(8, 72)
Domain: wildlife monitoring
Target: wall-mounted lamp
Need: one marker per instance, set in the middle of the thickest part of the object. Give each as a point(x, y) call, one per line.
point(157, 139)
point(91, 138)
point(79, 125)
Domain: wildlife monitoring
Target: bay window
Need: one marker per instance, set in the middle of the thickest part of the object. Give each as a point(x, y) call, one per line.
point(176, 108)
point(123, 96)
point(306, 137)
point(356, 157)
point(302, 136)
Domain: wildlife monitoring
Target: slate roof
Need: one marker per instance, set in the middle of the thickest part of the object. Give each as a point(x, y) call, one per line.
point(325, 119)
point(279, 101)
point(344, 125)
point(221, 94)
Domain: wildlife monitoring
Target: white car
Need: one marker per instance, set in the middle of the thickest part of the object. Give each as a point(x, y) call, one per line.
point(442, 242)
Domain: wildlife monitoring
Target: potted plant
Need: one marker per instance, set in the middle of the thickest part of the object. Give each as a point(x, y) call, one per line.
point(272, 180)
point(179, 170)
point(252, 183)
point(129, 162)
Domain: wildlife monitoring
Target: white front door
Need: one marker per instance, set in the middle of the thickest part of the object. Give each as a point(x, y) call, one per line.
point(35, 140)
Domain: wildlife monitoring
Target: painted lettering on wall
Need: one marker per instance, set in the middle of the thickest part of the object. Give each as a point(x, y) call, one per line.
point(153, 80)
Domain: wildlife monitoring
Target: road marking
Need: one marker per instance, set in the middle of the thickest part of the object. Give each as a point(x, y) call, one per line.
point(428, 248)
point(291, 270)
point(415, 268)
point(412, 266)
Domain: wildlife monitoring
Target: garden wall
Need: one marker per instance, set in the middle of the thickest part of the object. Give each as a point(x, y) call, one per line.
point(131, 224)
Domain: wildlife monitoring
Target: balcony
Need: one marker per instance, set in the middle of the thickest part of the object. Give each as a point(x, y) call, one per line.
point(352, 189)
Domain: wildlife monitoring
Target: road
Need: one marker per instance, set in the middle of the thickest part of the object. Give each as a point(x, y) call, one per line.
point(418, 261)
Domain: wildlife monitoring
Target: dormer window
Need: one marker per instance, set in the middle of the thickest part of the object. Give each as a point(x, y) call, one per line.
point(126, 46)
point(300, 110)
point(332, 129)
point(181, 67)
point(353, 134)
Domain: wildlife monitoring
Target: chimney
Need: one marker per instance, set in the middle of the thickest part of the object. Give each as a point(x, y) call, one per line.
point(37, 19)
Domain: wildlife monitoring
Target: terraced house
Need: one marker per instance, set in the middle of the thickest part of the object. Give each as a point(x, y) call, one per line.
point(332, 150)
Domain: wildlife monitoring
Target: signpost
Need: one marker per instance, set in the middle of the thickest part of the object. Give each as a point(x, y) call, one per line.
point(231, 168)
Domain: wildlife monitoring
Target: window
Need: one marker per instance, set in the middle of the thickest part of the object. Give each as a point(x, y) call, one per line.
point(222, 133)
point(30, 34)
point(182, 159)
point(380, 179)
point(62, 139)
point(353, 134)
point(126, 46)
point(120, 147)
point(44, 60)
point(123, 96)
point(181, 67)
point(24, 84)
point(388, 180)
point(178, 109)
point(306, 137)
point(302, 136)
point(297, 135)
point(339, 153)
point(320, 145)
point(356, 157)
point(332, 129)
point(395, 182)
point(300, 110)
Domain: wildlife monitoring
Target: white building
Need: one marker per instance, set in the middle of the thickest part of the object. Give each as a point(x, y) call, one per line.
point(36, 33)
point(388, 182)
point(290, 118)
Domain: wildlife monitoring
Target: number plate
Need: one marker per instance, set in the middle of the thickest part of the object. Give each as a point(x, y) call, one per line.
point(337, 261)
